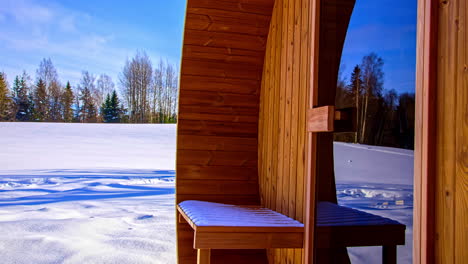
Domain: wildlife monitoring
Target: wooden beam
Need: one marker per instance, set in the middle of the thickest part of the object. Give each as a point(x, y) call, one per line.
point(248, 240)
point(310, 181)
point(425, 122)
point(389, 254)
point(329, 119)
point(321, 119)
point(203, 256)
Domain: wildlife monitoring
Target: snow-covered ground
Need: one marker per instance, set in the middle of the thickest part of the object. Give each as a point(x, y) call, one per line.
point(101, 193)
point(87, 193)
point(374, 179)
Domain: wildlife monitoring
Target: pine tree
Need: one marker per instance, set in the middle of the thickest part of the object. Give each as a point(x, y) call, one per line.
point(22, 98)
point(41, 104)
point(106, 110)
point(355, 87)
point(67, 103)
point(111, 109)
point(116, 111)
point(88, 112)
point(6, 102)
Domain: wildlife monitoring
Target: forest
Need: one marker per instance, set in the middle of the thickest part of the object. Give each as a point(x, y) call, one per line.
point(146, 94)
point(384, 117)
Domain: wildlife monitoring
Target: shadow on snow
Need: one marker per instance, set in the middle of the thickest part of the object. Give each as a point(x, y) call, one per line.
point(92, 188)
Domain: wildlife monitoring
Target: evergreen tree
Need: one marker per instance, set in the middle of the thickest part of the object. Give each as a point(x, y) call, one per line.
point(88, 112)
point(67, 103)
point(22, 98)
point(6, 102)
point(105, 110)
point(111, 110)
point(41, 104)
point(355, 87)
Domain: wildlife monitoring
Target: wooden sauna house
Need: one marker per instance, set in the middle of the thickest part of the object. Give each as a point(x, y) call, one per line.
point(255, 178)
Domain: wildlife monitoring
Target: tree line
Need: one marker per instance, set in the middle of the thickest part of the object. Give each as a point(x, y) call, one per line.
point(146, 94)
point(384, 117)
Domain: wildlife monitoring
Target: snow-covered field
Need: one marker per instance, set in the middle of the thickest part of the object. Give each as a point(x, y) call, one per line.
point(374, 179)
point(101, 193)
point(87, 193)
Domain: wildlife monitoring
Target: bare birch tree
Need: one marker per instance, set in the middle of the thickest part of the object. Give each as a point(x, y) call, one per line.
point(372, 77)
point(136, 80)
point(104, 86)
point(48, 74)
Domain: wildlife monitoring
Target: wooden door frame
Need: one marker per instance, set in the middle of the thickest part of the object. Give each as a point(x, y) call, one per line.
point(425, 132)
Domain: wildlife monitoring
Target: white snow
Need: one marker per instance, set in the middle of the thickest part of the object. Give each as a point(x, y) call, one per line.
point(217, 214)
point(377, 180)
point(87, 193)
point(104, 193)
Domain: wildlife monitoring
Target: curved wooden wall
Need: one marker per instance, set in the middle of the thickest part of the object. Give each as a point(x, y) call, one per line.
point(221, 72)
point(223, 153)
point(284, 102)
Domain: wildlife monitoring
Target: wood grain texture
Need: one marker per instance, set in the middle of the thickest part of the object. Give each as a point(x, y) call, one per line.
point(451, 190)
point(425, 117)
point(203, 256)
point(321, 119)
point(221, 73)
point(283, 140)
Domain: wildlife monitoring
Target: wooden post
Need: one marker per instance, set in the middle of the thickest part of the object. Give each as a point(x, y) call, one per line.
point(389, 254)
point(204, 255)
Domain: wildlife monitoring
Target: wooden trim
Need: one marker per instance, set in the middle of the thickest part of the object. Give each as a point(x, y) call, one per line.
point(220, 240)
point(203, 256)
point(309, 216)
point(425, 124)
point(321, 119)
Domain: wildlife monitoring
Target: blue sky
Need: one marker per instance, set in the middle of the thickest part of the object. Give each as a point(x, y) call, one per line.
point(96, 35)
point(99, 35)
point(388, 28)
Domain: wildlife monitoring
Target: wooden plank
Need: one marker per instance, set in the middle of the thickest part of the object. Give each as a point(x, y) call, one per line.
point(212, 128)
point(359, 236)
point(309, 200)
point(295, 94)
point(248, 240)
point(256, 20)
point(216, 117)
point(221, 110)
point(203, 256)
point(281, 108)
point(424, 152)
point(227, 55)
point(219, 84)
point(275, 103)
point(216, 158)
point(304, 77)
point(320, 119)
point(211, 23)
point(389, 254)
point(461, 176)
point(288, 119)
point(262, 7)
point(198, 172)
point(224, 40)
point(192, 142)
point(221, 69)
point(220, 198)
point(203, 98)
point(446, 134)
point(217, 187)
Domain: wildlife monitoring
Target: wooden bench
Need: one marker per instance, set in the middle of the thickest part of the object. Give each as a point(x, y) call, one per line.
point(224, 226)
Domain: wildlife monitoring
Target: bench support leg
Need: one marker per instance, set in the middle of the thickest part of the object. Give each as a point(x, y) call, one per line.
point(389, 254)
point(204, 256)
